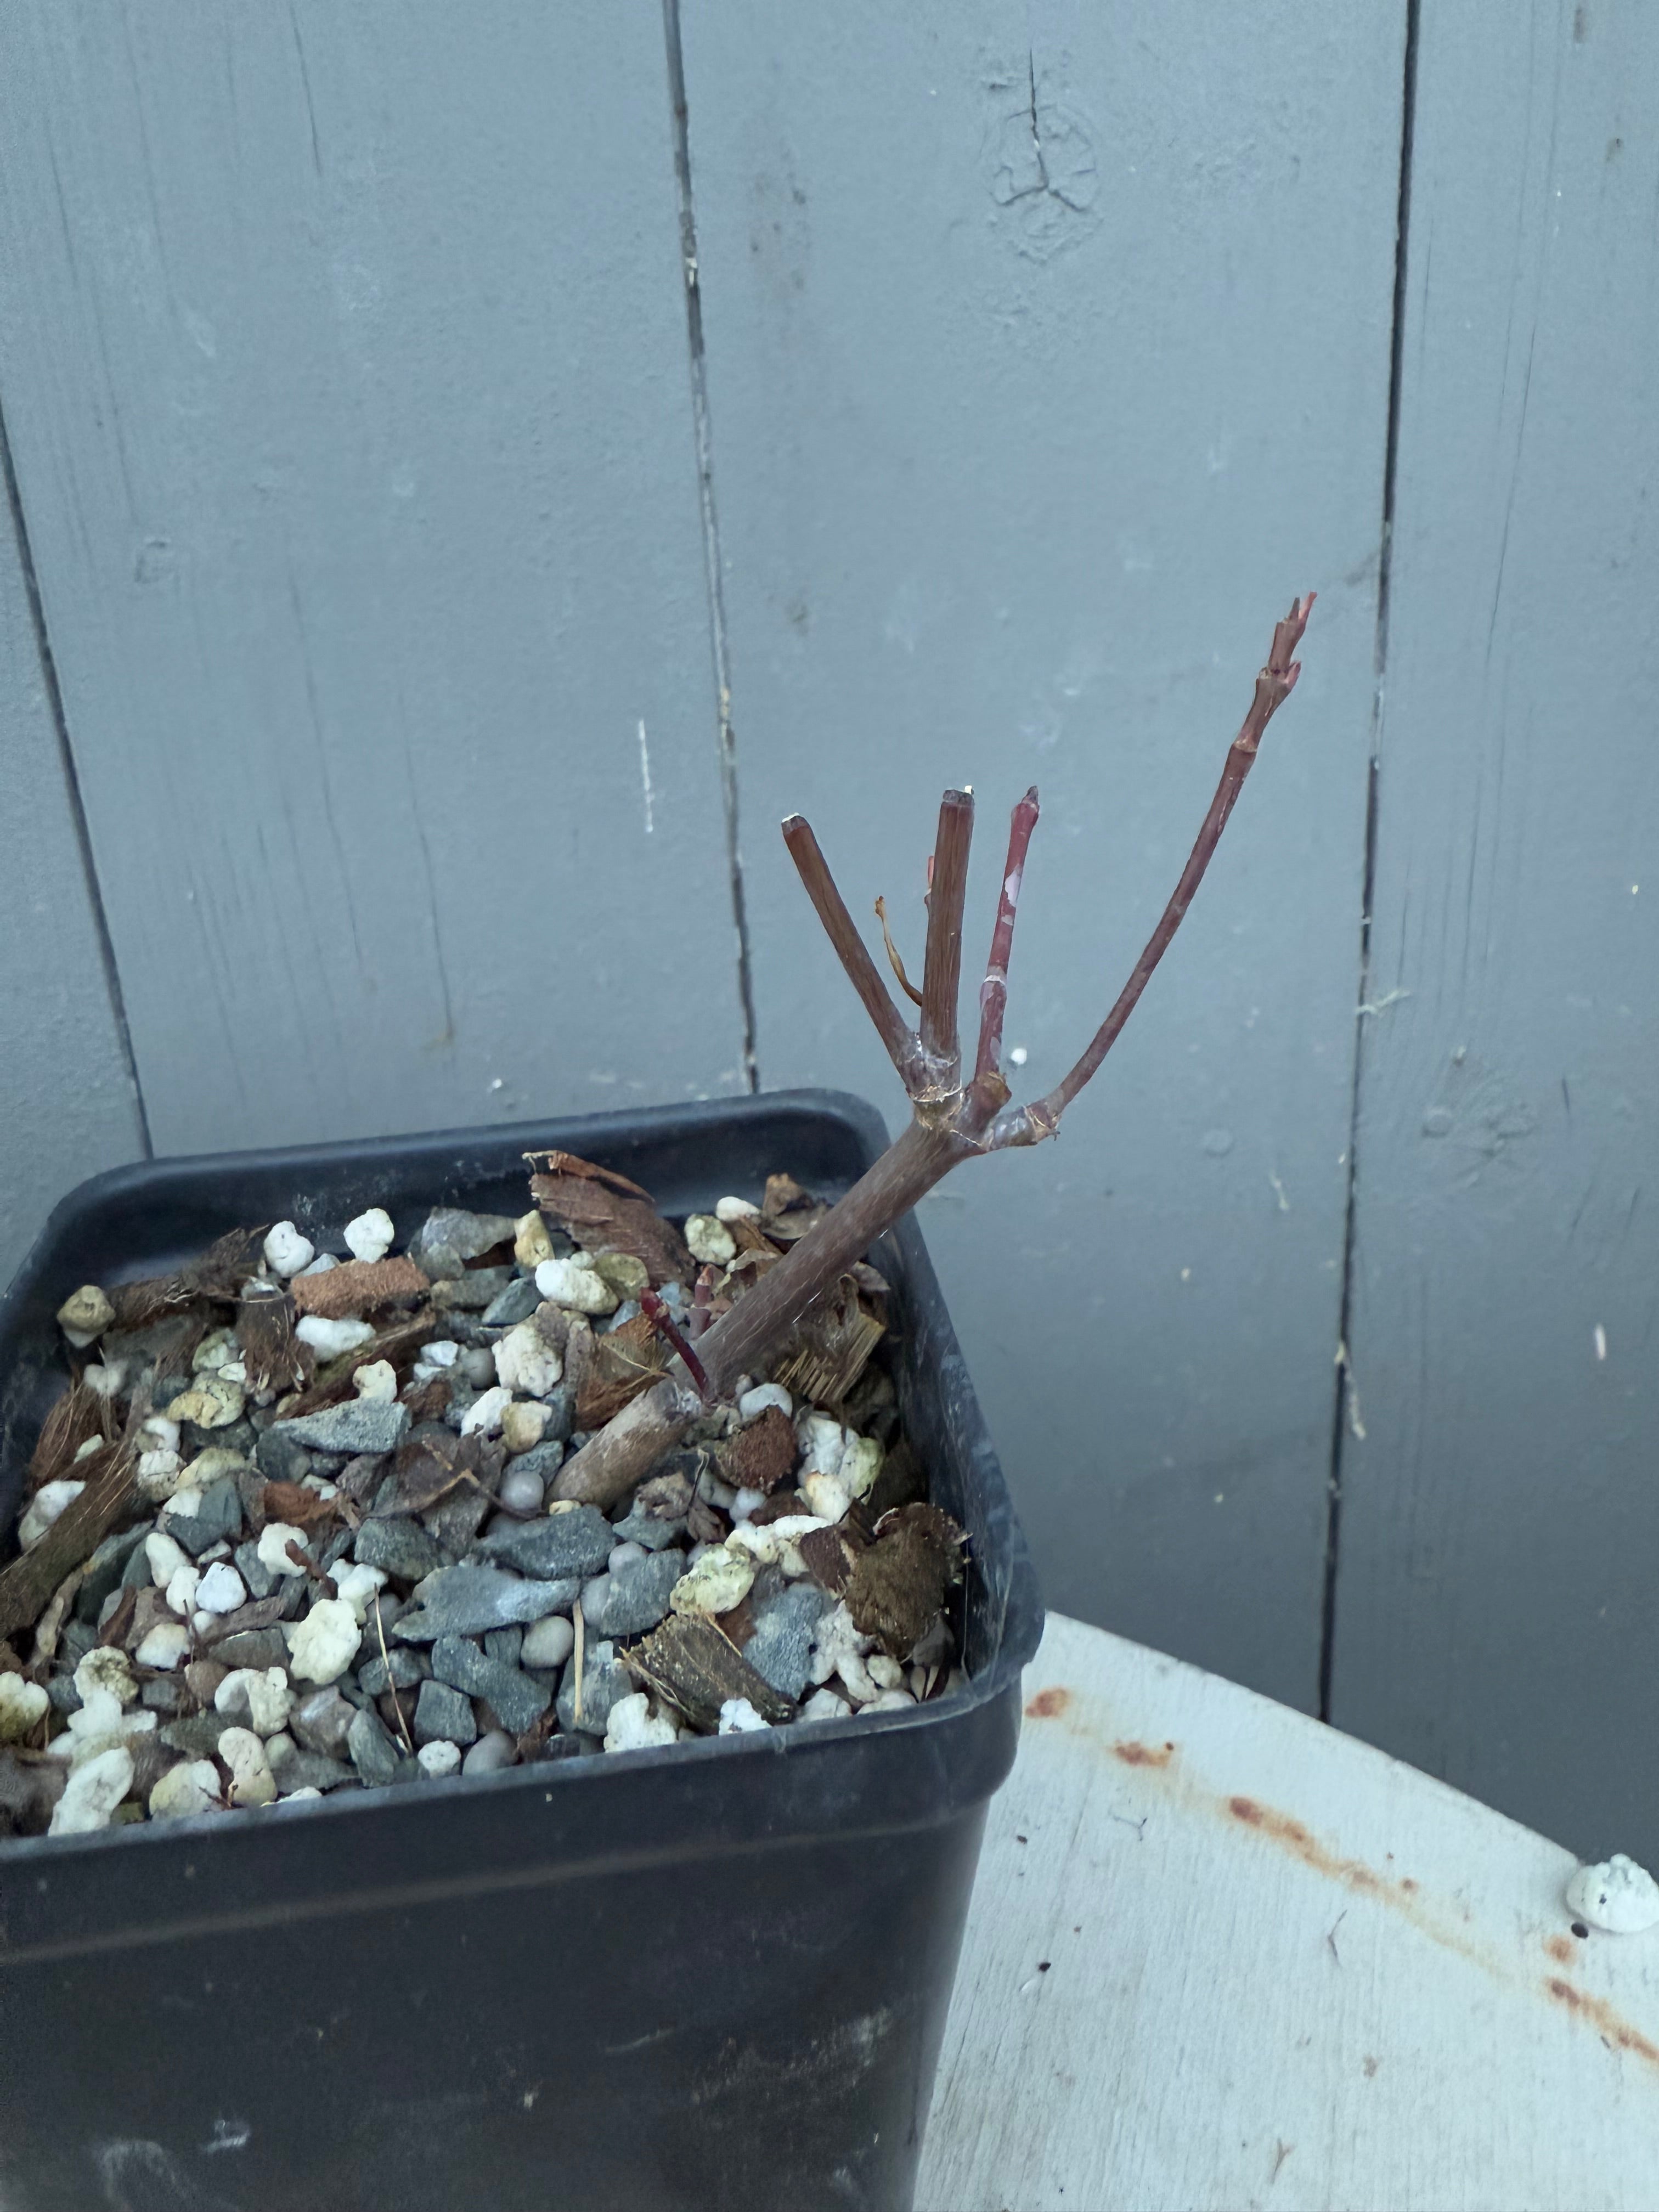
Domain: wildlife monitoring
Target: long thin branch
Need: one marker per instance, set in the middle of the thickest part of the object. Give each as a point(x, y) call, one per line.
point(850, 948)
point(993, 991)
point(941, 972)
point(1029, 1125)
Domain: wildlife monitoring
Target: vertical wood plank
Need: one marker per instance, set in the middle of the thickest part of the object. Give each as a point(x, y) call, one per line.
point(1500, 1519)
point(345, 351)
point(67, 1102)
point(1048, 354)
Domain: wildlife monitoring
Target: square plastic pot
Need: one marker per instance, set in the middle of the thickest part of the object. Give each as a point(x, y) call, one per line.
point(715, 1977)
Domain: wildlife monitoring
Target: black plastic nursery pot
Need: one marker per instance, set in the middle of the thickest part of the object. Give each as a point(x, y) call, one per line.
point(710, 1977)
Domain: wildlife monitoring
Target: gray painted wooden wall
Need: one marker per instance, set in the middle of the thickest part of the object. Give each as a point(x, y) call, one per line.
point(416, 621)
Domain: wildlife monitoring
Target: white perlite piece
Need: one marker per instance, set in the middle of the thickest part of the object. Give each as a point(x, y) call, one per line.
point(158, 1433)
point(92, 1794)
point(437, 1760)
point(85, 1316)
point(709, 1239)
point(106, 1379)
point(322, 1265)
point(531, 1242)
point(220, 1589)
point(753, 1403)
point(256, 1696)
point(378, 1382)
point(1617, 1895)
point(99, 1726)
point(165, 1557)
point(739, 1717)
point(43, 1508)
point(736, 1209)
point(182, 1586)
point(274, 1539)
point(214, 1403)
point(630, 1727)
point(158, 1476)
point(329, 1339)
point(192, 1786)
point(524, 1424)
point(251, 1782)
point(369, 1237)
point(526, 1361)
point(23, 1707)
point(356, 1586)
point(165, 1647)
point(482, 1418)
point(578, 1289)
point(105, 1667)
point(324, 1644)
point(720, 1580)
point(286, 1251)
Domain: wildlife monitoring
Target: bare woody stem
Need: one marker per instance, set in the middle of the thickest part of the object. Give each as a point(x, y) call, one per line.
point(941, 974)
point(993, 991)
point(1029, 1125)
point(850, 948)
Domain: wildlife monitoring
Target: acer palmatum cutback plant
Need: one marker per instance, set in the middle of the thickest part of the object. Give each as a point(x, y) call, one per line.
point(951, 1119)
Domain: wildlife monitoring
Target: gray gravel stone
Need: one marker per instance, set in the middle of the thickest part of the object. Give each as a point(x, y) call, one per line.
point(556, 1545)
point(542, 1460)
point(442, 1715)
point(400, 1669)
point(374, 1754)
point(252, 1647)
point(104, 1569)
point(504, 1645)
point(450, 1236)
point(547, 1643)
point(780, 1648)
point(254, 1571)
point(634, 1598)
point(517, 1702)
point(646, 1530)
point(490, 1754)
point(516, 1303)
point(456, 1522)
point(312, 1770)
point(136, 1574)
point(401, 1548)
point(561, 1407)
point(321, 1722)
point(281, 1458)
point(362, 1425)
point(64, 1695)
point(198, 1736)
point(473, 1292)
point(605, 1680)
point(467, 1601)
point(220, 1517)
point(163, 1694)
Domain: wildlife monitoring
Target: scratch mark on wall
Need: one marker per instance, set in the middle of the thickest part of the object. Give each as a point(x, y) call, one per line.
point(645, 779)
point(305, 81)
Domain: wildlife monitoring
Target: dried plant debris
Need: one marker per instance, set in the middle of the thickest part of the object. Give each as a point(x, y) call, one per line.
point(290, 1528)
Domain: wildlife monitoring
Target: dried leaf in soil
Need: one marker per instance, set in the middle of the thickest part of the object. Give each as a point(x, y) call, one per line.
point(761, 1453)
point(897, 1588)
point(696, 1666)
point(787, 1211)
point(398, 1344)
point(260, 1612)
point(625, 1361)
point(27, 1584)
point(359, 1286)
point(272, 1354)
point(828, 1556)
point(218, 1274)
point(605, 1213)
point(831, 1348)
point(296, 1506)
point(705, 1524)
point(665, 1497)
point(79, 1415)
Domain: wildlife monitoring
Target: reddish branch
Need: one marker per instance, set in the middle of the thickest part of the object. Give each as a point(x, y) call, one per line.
point(950, 1120)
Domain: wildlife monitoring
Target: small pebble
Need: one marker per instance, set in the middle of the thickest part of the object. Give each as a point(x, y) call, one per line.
point(274, 1539)
point(531, 1242)
point(369, 1237)
point(286, 1251)
point(258, 1698)
point(524, 1424)
point(523, 1492)
point(490, 1753)
point(578, 1289)
point(192, 1786)
point(630, 1726)
point(439, 1759)
point(106, 1669)
point(547, 1643)
point(251, 1782)
point(378, 1380)
point(735, 1209)
point(709, 1239)
point(43, 1508)
point(329, 1339)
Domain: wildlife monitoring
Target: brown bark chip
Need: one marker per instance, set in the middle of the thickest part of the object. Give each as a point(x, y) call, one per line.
point(359, 1286)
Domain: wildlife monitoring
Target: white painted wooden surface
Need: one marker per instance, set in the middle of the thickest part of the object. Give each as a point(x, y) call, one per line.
point(1282, 1970)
